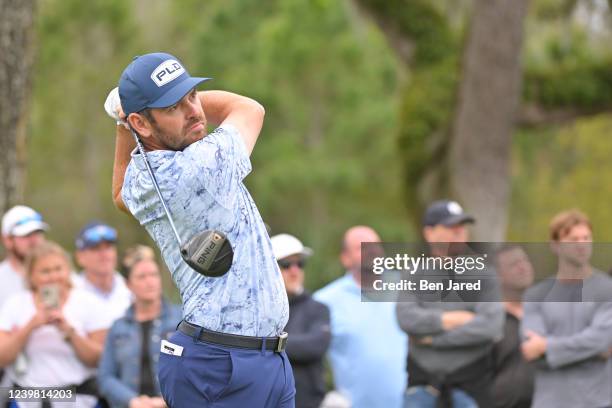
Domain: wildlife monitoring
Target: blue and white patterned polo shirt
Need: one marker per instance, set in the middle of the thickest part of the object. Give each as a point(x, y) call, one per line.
point(203, 188)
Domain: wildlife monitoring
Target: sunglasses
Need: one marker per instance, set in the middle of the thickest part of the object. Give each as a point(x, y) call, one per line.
point(288, 264)
point(98, 234)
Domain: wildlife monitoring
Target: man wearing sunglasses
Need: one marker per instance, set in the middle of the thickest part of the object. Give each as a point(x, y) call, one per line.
point(96, 253)
point(308, 323)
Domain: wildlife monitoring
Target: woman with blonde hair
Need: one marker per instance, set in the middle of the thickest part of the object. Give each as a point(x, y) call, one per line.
point(128, 368)
point(52, 334)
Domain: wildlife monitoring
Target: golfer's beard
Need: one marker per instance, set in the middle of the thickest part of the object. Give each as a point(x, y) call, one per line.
point(188, 139)
point(166, 141)
point(172, 142)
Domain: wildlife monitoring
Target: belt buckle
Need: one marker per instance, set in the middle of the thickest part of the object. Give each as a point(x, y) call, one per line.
point(282, 342)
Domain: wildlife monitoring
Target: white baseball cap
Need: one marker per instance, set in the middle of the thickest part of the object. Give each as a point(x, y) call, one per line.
point(284, 245)
point(20, 221)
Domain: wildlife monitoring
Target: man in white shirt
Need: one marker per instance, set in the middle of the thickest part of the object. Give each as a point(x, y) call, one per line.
point(96, 253)
point(22, 229)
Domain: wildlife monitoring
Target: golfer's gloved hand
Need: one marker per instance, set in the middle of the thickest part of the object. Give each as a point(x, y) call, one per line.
point(112, 106)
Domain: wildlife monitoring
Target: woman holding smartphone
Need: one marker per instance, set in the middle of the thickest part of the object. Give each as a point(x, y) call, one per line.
point(52, 335)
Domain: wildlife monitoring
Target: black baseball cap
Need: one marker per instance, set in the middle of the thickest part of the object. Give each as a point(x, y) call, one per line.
point(446, 212)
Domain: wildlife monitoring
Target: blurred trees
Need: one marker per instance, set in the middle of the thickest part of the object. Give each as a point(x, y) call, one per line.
point(455, 130)
point(559, 168)
point(326, 157)
point(16, 50)
point(358, 119)
point(483, 124)
point(567, 73)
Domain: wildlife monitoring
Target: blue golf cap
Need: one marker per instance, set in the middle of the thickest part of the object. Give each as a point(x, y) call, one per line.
point(156, 80)
point(95, 233)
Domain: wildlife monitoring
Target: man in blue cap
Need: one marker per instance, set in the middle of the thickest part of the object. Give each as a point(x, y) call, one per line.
point(96, 253)
point(229, 349)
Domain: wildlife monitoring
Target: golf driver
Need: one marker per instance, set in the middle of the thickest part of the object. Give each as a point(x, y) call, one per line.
point(208, 252)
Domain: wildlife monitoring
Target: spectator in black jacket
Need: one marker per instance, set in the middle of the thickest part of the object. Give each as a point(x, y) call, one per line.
point(513, 375)
point(308, 326)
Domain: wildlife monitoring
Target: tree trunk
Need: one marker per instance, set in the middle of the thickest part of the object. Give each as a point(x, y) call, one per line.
point(420, 35)
point(489, 95)
point(16, 34)
point(456, 130)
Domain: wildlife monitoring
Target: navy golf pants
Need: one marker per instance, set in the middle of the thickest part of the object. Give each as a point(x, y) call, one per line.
point(210, 375)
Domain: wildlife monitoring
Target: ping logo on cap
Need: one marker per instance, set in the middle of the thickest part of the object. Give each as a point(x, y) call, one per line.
point(166, 72)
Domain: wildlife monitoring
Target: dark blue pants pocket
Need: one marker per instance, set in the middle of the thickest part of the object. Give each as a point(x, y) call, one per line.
point(206, 375)
point(200, 375)
point(209, 370)
point(166, 369)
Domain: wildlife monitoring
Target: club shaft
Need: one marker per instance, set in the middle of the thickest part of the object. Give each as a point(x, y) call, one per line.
point(156, 186)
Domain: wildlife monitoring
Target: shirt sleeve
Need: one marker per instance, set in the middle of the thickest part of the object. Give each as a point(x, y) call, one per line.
point(417, 320)
point(588, 343)
point(5, 321)
point(533, 319)
point(217, 164)
point(487, 326)
point(111, 386)
point(9, 311)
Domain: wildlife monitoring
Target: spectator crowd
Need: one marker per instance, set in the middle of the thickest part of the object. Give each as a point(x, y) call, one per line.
point(97, 328)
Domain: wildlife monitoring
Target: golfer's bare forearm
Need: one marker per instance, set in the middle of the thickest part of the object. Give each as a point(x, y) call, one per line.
point(123, 147)
point(244, 113)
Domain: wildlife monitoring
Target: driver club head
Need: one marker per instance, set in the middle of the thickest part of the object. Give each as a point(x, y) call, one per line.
point(209, 253)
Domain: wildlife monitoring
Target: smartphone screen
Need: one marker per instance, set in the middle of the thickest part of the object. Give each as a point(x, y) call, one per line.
point(50, 295)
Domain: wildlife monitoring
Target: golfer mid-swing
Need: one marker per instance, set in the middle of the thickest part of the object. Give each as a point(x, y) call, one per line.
point(229, 348)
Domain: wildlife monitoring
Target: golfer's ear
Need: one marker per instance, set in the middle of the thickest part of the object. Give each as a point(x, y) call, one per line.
point(140, 124)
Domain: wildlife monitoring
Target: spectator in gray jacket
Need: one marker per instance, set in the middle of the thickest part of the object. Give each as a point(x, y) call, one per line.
point(567, 322)
point(449, 363)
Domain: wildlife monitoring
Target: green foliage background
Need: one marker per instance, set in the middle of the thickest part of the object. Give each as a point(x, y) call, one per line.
point(331, 154)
